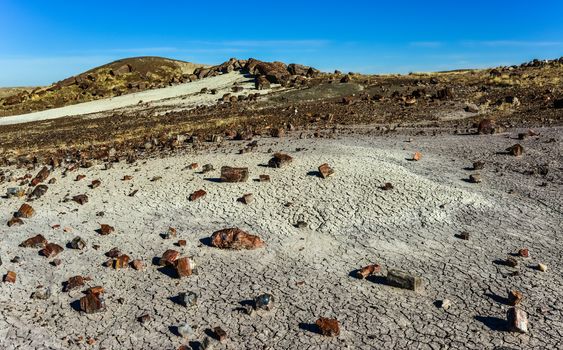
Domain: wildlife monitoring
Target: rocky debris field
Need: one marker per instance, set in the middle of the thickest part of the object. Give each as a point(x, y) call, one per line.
point(356, 239)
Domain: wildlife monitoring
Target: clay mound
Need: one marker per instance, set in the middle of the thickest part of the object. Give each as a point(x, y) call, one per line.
point(113, 79)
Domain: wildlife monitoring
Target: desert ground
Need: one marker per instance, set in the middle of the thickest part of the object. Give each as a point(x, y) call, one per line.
point(407, 193)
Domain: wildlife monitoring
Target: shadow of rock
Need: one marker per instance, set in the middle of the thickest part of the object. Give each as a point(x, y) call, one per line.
point(493, 323)
point(310, 327)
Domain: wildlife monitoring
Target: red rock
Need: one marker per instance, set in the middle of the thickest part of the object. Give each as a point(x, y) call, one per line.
point(79, 177)
point(25, 211)
point(279, 160)
point(517, 320)
point(51, 249)
point(184, 266)
point(417, 156)
point(92, 303)
point(524, 252)
point(37, 241)
point(106, 229)
point(182, 243)
point(515, 150)
point(328, 326)
point(169, 257)
point(325, 170)
point(15, 222)
point(235, 238)
point(197, 194)
point(137, 264)
point(10, 277)
point(121, 262)
point(230, 174)
point(41, 176)
point(73, 283)
point(515, 297)
point(193, 166)
point(95, 290)
point(368, 270)
point(219, 334)
point(95, 184)
point(80, 199)
point(264, 178)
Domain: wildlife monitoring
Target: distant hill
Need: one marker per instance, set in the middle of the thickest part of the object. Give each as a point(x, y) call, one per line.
point(113, 79)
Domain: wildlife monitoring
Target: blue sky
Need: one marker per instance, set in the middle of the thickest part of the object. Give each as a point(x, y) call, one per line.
point(45, 41)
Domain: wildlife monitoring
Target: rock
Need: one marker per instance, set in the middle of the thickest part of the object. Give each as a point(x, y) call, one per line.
point(445, 304)
point(478, 165)
point(345, 79)
point(368, 270)
point(261, 83)
point(557, 104)
point(463, 235)
point(515, 297)
point(10, 277)
point(51, 250)
point(207, 168)
point(524, 252)
point(144, 319)
point(402, 279)
point(121, 262)
point(56, 262)
point(185, 330)
point(471, 108)
point(246, 198)
point(17, 260)
point(264, 178)
point(219, 334)
point(41, 176)
point(542, 267)
point(235, 238)
point(137, 264)
point(15, 222)
point(264, 302)
point(277, 132)
point(301, 224)
point(515, 150)
point(487, 126)
point(15, 192)
point(417, 156)
point(197, 194)
point(79, 177)
point(184, 267)
point(445, 93)
point(169, 257)
point(78, 243)
point(387, 186)
point(325, 170)
point(279, 160)
point(41, 294)
point(74, 283)
point(170, 233)
point(38, 192)
point(92, 303)
point(181, 243)
point(25, 211)
point(328, 326)
point(189, 299)
point(95, 184)
point(510, 261)
point(105, 229)
point(37, 241)
point(229, 174)
point(517, 320)
point(475, 178)
point(80, 199)
point(113, 252)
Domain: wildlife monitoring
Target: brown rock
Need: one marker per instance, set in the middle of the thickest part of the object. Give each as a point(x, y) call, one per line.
point(261, 83)
point(478, 165)
point(279, 160)
point(38, 192)
point(247, 198)
point(510, 261)
point(137, 264)
point(92, 303)
point(517, 320)
point(475, 178)
point(417, 156)
point(325, 170)
point(368, 270)
point(169, 257)
point(113, 252)
point(25, 211)
point(197, 194)
point(121, 262)
point(229, 174)
point(95, 290)
point(127, 178)
point(219, 334)
point(79, 177)
point(95, 184)
point(235, 238)
point(524, 252)
point(80, 199)
point(328, 326)
point(184, 267)
point(277, 132)
point(387, 186)
point(404, 280)
point(105, 229)
point(10, 277)
point(515, 297)
point(51, 249)
point(487, 126)
point(14, 221)
point(74, 283)
point(37, 241)
point(515, 150)
point(264, 178)
point(41, 176)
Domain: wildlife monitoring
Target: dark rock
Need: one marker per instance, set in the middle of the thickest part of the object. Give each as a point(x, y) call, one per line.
point(328, 326)
point(235, 238)
point(402, 279)
point(229, 174)
point(279, 160)
point(51, 249)
point(78, 243)
point(37, 241)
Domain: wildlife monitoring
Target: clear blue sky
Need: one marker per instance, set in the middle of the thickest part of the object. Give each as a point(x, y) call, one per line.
point(42, 41)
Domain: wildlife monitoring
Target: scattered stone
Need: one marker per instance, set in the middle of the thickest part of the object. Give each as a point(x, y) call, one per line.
point(478, 165)
point(542, 267)
point(25, 211)
point(37, 241)
point(184, 267)
point(113, 252)
point(417, 156)
point(219, 334)
point(207, 168)
point(79, 177)
point(517, 320)
point(229, 174)
point(510, 261)
point(15, 192)
point(41, 176)
point(106, 229)
point(14, 221)
point(41, 294)
point(387, 186)
point(133, 193)
point(515, 297)
point(10, 277)
point(279, 160)
point(524, 252)
point(156, 178)
point(56, 262)
point(144, 319)
point(127, 178)
point(17, 260)
point(182, 243)
point(264, 302)
point(197, 194)
point(368, 270)
point(515, 150)
point(463, 235)
point(121, 262)
point(51, 250)
point(445, 304)
point(325, 170)
point(185, 330)
point(95, 184)
point(475, 178)
point(170, 233)
point(471, 108)
point(78, 243)
point(264, 178)
point(38, 192)
point(169, 257)
point(74, 283)
point(189, 299)
point(402, 279)
point(80, 199)
point(94, 290)
point(92, 303)
point(137, 264)
point(328, 326)
point(246, 198)
point(487, 126)
point(301, 224)
point(235, 238)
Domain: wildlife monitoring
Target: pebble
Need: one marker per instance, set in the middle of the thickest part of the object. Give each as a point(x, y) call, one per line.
point(189, 298)
point(185, 330)
point(264, 302)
